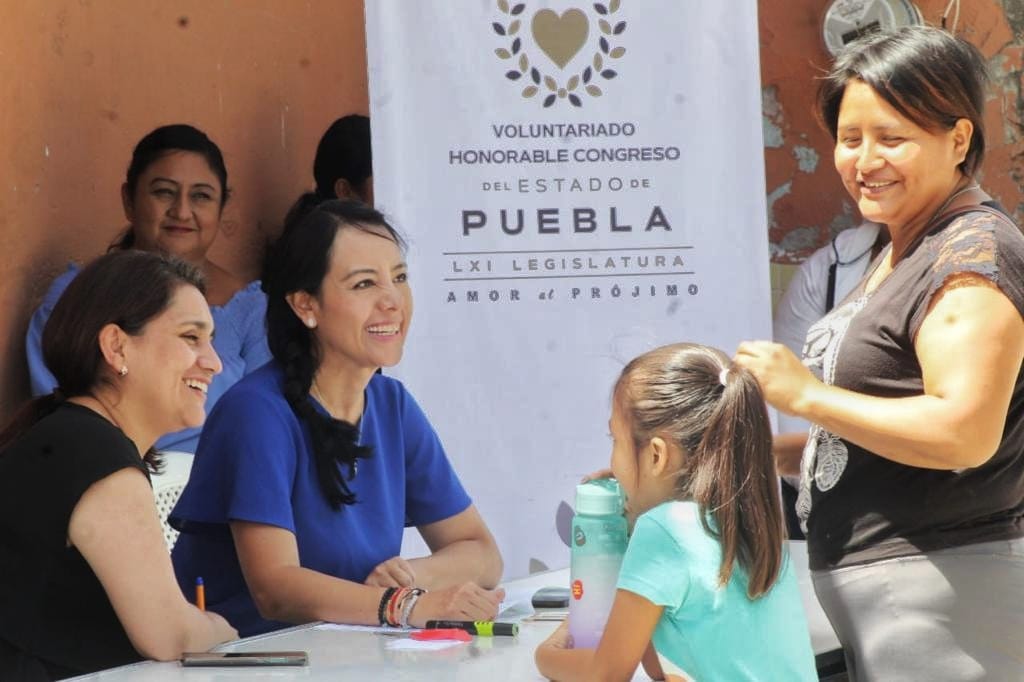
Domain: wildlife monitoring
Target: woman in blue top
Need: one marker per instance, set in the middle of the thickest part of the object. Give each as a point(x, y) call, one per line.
point(706, 590)
point(309, 469)
point(173, 198)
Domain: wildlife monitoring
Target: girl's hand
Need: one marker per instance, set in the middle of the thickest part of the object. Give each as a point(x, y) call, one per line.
point(560, 638)
point(595, 475)
point(557, 660)
point(783, 378)
point(467, 601)
point(395, 572)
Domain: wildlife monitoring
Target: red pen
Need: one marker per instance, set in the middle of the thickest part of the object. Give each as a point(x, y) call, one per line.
point(200, 594)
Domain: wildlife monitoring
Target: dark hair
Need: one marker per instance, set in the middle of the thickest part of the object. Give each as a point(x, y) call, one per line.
point(299, 261)
point(676, 392)
point(178, 137)
point(343, 153)
point(126, 288)
point(929, 76)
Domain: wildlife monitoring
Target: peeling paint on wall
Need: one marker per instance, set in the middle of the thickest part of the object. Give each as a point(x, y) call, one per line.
point(1015, 18)
point(848, 218)
point(806, 159)
point(796, 240)
point(1003, 73)
point(774, 196)
point(807, 204)
point(771, 117)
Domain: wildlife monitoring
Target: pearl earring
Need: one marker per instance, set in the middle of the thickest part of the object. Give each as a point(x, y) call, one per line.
point(123, 371)
point(311, 323)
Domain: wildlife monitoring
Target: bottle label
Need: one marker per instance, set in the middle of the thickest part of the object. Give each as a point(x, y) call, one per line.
point(592, 585)
point(579, 537)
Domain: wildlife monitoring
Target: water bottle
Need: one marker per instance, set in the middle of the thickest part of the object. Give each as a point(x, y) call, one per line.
point(598, 544)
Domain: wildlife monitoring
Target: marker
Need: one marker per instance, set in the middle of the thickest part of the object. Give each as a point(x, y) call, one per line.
point(200, 594)
point(484, 628)
point(441, 634)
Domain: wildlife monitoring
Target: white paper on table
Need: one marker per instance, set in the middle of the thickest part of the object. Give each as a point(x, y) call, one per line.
point(407, 644)
point(362, 628)
point(517, 603)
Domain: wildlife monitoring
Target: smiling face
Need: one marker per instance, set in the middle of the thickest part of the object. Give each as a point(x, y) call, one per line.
point(171, 364)
point(363, 311)
point(899, 173)
point(176, 206)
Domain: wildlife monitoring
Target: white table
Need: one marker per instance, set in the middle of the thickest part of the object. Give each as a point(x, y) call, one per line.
point(362, 656)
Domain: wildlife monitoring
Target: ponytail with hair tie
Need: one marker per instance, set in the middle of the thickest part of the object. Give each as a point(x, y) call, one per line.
point(725, 435)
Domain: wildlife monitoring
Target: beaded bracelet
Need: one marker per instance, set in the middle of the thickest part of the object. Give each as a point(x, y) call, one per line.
point(388, 593)
point(392, 612)
point(408, 604)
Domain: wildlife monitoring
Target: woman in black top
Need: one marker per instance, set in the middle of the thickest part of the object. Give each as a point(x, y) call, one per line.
point(85, 577)
point(912, 482)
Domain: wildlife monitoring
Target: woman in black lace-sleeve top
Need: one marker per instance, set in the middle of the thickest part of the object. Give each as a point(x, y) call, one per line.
point(912, 481)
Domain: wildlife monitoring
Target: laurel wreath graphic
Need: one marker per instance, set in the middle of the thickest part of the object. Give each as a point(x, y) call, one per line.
point(584, 81)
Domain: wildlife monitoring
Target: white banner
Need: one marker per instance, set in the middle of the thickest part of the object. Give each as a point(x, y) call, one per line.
point(579, 183)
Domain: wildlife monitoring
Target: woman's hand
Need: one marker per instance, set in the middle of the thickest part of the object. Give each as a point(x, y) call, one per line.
point(222, 630)
point(783, 378)
point(467, 601)
point(395, 572)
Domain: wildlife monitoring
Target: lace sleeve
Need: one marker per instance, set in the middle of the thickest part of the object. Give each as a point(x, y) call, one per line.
point(979, 243)
point(969, 248)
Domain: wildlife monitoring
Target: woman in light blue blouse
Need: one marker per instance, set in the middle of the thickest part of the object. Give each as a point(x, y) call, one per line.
point(173, 197)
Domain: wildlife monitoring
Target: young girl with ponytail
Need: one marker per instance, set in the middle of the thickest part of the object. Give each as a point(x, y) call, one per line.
point(310, 468)
point(706, 590)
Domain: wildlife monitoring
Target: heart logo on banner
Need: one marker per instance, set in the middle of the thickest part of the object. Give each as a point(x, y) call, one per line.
point(560, 37)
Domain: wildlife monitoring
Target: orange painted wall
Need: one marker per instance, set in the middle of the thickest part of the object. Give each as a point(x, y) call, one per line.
point(81, 81)
point(806, 204)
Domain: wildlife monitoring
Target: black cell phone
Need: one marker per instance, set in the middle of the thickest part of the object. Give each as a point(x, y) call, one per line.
point(551, 598)
point(242, 658)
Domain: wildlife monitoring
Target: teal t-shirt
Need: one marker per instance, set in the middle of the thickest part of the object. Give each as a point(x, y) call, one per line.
point(709, 632)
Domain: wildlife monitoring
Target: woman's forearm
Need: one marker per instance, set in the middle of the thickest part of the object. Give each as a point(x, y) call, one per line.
point(462, 549)
point(283, 590)
point(477, 561)
point(206, 630)
point(293, 594)
point(922, 431)
point(969, 349)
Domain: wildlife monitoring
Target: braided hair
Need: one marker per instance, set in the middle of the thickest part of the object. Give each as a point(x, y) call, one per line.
point(299, 261)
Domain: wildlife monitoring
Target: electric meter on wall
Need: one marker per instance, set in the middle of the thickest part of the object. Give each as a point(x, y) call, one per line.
point(847, 20)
